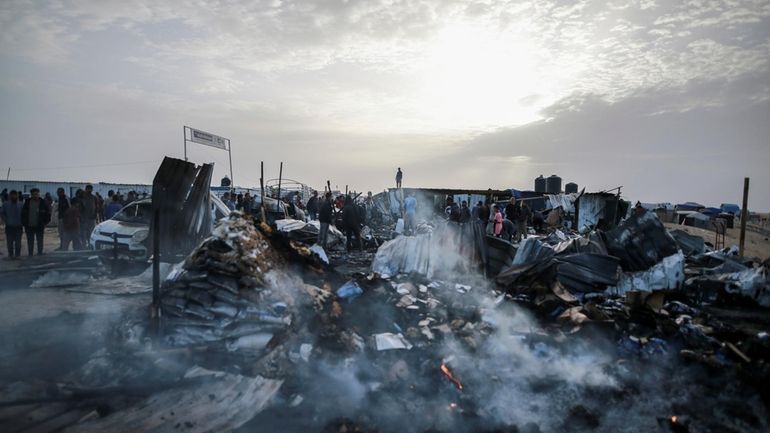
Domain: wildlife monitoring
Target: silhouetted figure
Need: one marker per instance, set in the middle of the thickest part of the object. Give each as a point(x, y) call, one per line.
point(11, 216)
point(325, 216)
point(35, 215)
point(399, 177)
point(62, 204)
point(88, 211)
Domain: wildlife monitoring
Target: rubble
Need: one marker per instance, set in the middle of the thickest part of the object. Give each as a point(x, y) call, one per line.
point(606, 331)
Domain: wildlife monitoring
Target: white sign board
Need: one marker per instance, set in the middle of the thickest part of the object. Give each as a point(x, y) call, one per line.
point(202, 137)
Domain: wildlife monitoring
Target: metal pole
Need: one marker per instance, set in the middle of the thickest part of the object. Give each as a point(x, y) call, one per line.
point(230, 154)
point(184, 138)
point(156, 262)
point(744, 213)
point(280, 175)
point(8, 176)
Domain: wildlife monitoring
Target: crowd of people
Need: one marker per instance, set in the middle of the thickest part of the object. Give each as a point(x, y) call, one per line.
point(509, 222)
point(76, 217)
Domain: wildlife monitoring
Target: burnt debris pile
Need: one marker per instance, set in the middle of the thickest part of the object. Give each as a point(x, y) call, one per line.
point(631, 329)
point(225, 291)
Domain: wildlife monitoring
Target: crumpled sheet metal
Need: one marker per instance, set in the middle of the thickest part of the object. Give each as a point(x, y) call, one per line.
point(450, 247)
point(751, 283)
point(587, 272)
point(593, 243)
point(180, 192)
point(565, 201)
point(640, 242)
point(591, 210)
point(532, 250)
point(668, 274)
point(691, 245)
point(221, 294)
point(221, 402)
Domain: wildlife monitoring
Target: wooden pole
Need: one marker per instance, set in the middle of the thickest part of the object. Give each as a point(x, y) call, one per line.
point(744, 214)
point(262, 188)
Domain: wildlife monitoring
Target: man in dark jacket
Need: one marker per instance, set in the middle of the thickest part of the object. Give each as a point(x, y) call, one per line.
point(465, 213)
point(312, 207)
point(62, 204)
point(512, 211)
point(88, 211)
point(452, 210)
point(351, 222)
point(71, 226)
point(35, 215)
point(521, 221)
point(325, 216)
point(11, 216)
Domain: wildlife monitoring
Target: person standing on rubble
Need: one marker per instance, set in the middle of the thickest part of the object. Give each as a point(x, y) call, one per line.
point(511, 210)
point(399, 177)
point(35, 215)
point(352, 224)
point(497, 220)
point(226, 199)
point(11, 216)
point(248, 204)
point(312, 206)
point(452, 210)
point(521, 222)
point(483, 220)
point(537, 221)
point(325, 216)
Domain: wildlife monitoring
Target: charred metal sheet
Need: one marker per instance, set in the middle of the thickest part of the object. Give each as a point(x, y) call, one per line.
point(691, 245)
point(640, 242)
point(180, 193)
point(587, 272)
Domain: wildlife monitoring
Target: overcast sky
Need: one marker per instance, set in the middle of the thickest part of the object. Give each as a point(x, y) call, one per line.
point(669, 99)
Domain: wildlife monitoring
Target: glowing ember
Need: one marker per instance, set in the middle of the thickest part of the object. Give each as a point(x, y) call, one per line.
point(452, 406)
point(448, 373)
point(673, 419)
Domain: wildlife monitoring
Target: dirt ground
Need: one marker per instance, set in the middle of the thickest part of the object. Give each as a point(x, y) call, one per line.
point(757, 245)
point(50, 244)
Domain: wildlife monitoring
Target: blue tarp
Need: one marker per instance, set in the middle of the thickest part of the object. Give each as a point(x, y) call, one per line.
point(689, 206)
point(731, 208)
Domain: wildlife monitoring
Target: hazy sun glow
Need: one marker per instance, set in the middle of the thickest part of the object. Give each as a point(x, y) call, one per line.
point(473, 77)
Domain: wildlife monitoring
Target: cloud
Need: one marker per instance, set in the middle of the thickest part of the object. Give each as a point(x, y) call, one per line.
point(661, 146)
point(522, 86)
